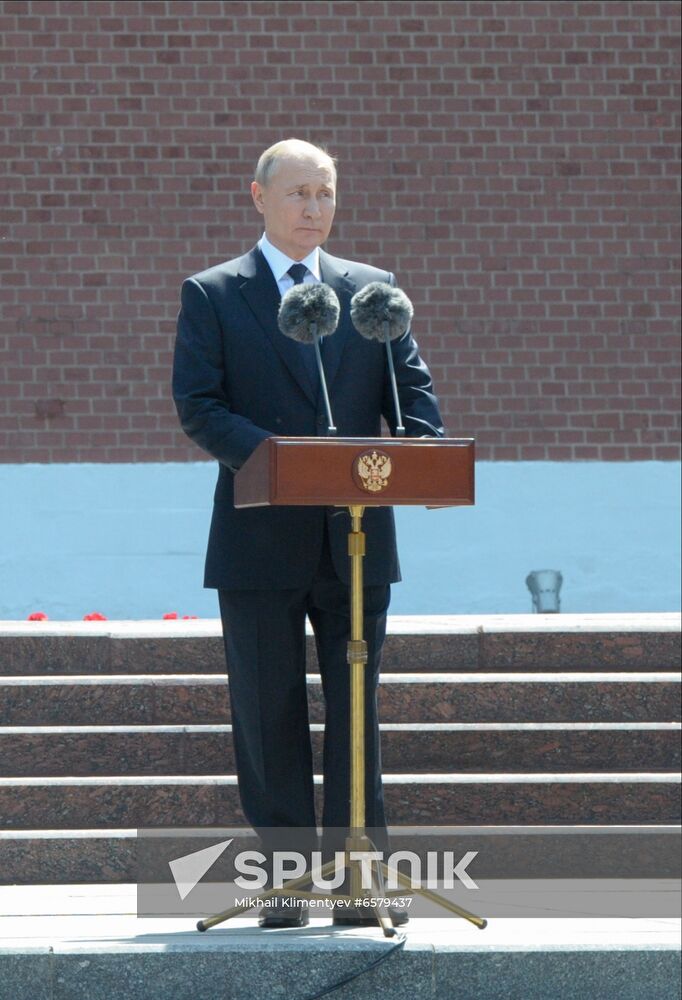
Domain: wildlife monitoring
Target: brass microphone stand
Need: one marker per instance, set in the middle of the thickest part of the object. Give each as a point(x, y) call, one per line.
point(357, 841)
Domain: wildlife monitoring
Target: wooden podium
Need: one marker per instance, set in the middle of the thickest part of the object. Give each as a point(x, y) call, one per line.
point(357, 473)
point(326, 472)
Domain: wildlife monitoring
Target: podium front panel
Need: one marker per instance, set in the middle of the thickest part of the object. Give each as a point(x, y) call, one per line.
point(373, 472)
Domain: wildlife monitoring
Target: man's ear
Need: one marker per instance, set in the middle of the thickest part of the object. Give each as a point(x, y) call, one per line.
point(257, 195)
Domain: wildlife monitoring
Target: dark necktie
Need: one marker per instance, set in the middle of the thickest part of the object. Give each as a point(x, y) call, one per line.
point(298, 273)
point(306, 351)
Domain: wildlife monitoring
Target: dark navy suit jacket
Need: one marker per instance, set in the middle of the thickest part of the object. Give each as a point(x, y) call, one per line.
point(237, 380)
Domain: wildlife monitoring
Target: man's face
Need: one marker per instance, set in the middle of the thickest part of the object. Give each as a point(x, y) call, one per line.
point(298, 204)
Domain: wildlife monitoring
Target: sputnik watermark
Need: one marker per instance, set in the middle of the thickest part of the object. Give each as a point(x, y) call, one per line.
point(437, 870)
point(519, 872)
point(325, 902)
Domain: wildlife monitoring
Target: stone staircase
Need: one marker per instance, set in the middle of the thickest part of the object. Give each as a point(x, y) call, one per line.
point(520, 721)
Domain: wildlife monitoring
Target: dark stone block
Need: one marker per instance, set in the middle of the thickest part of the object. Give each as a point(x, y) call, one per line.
point(250, 970)
point(607, 651)
point(423, 749)
point(195, 655)
point(72, 804)
point(558, 975)
point(26, 975)
point(54, 654)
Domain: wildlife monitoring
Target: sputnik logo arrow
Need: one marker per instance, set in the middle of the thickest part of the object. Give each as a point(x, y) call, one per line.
point(191, 868)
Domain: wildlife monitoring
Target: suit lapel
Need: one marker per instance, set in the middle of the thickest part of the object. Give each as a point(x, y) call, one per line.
point(260, 290)
point(336, 276)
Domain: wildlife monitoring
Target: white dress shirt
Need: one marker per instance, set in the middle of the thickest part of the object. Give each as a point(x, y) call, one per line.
point(280, 264)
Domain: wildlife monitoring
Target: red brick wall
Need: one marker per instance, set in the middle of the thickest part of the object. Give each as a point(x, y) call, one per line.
point(515, 163)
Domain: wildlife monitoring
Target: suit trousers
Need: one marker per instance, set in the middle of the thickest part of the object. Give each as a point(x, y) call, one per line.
point(264, 635)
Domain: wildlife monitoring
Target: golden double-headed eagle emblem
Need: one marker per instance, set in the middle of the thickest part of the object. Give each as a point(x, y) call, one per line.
point(372, 471)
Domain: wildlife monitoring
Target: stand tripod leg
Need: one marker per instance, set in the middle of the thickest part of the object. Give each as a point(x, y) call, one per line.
point(381, 911)
point(435, 897)
point(290, 890)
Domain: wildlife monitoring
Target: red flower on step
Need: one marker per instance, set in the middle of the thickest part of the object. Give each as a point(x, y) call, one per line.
point(171, 616)
point(94, 616)
point(37, 616)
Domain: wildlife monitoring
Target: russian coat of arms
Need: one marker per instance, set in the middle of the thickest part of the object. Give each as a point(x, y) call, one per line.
point(372, 470)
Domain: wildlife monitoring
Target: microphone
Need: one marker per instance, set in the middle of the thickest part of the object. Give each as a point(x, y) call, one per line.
point(308, 312)
point(381, 312)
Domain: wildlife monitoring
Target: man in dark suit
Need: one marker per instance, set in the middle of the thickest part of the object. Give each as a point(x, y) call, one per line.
point(236, 381)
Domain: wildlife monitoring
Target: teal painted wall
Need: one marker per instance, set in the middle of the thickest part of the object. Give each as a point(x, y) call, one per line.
point(128, 540)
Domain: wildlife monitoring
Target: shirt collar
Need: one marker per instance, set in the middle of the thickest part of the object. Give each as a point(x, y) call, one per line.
point(280, 263)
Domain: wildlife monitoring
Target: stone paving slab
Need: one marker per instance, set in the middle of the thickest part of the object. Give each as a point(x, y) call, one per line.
point(73, 942)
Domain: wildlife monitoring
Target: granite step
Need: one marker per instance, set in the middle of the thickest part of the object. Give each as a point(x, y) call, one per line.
point(599, 642)
point(194, 698)
point(551, 720)
point(112, 854)
point(437, 747)
point(143, 801)
point(87, 943)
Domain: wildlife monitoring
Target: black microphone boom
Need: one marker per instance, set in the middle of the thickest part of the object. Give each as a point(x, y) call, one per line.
point(381, 312)
point(308, 312)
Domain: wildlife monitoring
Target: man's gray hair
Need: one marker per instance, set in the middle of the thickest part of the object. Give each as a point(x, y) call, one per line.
point(268, 162)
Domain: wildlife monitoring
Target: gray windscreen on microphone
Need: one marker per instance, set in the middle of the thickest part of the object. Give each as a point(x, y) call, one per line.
point(307, 311)
point(378, 309)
